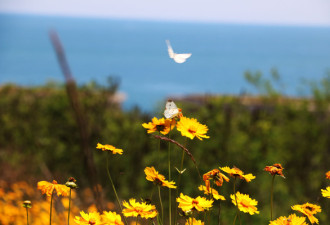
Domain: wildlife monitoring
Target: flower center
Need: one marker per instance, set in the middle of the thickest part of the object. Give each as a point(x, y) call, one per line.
point(160, 127)
point(192, 130)
point(195, 202)
point(91, 222)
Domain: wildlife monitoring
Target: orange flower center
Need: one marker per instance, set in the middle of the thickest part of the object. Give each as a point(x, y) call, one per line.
point(192, 130)
point(91, 222)
point(245, 203)
point(194, 202)
point(139, 210)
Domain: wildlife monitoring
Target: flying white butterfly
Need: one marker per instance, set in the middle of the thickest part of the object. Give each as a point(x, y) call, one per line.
point(171, 110)
point(178, 58)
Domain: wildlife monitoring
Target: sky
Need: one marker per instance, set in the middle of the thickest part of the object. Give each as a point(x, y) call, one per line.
point(277, 12)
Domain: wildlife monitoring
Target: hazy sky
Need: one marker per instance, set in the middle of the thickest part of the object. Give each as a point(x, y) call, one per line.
point(291, 12)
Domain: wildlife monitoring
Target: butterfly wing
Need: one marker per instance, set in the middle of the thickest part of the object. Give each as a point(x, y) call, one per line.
point(171, 110)
point(170, 49)
point(181, 58)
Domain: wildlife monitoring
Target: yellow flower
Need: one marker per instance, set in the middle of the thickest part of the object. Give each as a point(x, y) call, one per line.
point(245, 203)
point(210, 191)
point(154, 176)
point(217, 177)
point(290, 220)
point(192, 128)
point(308, 210)
point(327, 175)
point(162, 125)
point(235, 172)
point(88, 219)
point(111, 218)
point(136, 209)
point(111, 148)
point(193, 221)
point(275, 169)
point(326, 192)
point(48, 188)
point(187, 203)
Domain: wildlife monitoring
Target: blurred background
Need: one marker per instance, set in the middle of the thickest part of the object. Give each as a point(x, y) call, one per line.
point(258, 77)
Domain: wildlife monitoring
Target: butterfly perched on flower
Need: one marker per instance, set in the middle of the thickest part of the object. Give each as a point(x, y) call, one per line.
point(171, 110)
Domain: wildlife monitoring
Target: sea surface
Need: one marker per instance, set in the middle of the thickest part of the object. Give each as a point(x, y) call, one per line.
point(136, 53)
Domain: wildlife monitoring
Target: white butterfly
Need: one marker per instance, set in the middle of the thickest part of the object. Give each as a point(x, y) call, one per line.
point(171, 110)
point(178, 58)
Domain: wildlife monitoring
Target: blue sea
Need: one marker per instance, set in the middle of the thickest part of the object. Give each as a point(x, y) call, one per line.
point(136, 53)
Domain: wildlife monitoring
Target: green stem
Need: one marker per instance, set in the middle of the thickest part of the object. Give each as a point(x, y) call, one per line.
point(27, 216)
point(113, 187)
point(179, 181)
point(219, 212)
point(271, 199)
point(161, 203)
point(237, 213)
point(69, 207)
point(50, 210)
point(169, 177)
point(137, 218)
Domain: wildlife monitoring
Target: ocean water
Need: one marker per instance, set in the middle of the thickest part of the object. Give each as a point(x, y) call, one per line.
point(136, 52)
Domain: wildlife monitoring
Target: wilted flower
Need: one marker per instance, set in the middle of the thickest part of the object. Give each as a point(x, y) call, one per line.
point(327, 175)
point(245, 203)
point(48, 188)
point(88, 219)
point(275, 169)
point(27, 204)
point(110, 148)
point(290, 220)
point(162, 125)
point(71, 183)
point(326, 192)
point(210, 191)
point(216, 176)
point(308, 210)
point(235, 172)
point(154, 176)
point(187, 203)
point(136, 209)
point(191, 128)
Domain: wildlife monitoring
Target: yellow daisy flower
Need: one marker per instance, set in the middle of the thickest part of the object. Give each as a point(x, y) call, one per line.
point(210, 191)
point(187, 203)
point(193, 221)
point(245, 203)
point(327, 175)
point(111, 148)
point(136, 209)
point(48, 188)
point(308, 210)
point(290, 220)
point(191, 128)
point(154, 176)
point(326, 192)
point(111, 218)
point(87, 219)
point(216, 176)
point(235, 172)
point(162, 125)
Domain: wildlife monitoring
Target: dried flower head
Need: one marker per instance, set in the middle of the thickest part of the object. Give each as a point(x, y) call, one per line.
point(275, 169)
point(27, 204)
